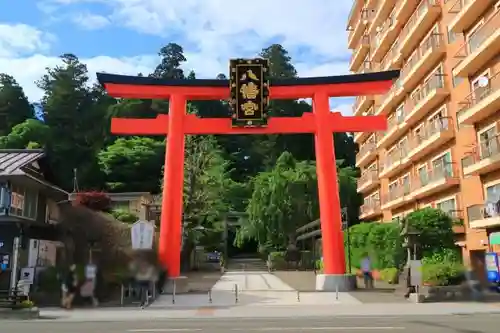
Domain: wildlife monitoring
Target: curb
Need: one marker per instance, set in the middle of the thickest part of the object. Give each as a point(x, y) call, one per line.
point(20, 314)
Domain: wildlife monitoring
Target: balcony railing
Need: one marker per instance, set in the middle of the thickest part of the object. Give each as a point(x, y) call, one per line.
point(395, 120)
point(388, 24)
point(365, 43)
point(435, 82)
point(364, 15)
point(368, 176)
point(390, 94)
point(356, 104)
point(458, 6)
point(397, 192)
point(483, 212)
point(434, 127)
point(366, 67)
point(395, 156)
point(437, 173)
point(477, 39)
point(371, 205)
point(366, 148)
point(353, 12)
point(487, 149)
point(433, 42)
point(415, 17)
point(479, 94)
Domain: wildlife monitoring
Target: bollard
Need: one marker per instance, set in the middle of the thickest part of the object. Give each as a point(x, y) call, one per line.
point(298, 296)
point(337, 292)
point(210, 296)
point(122, 295)
point(173, 291)
point(236, 292)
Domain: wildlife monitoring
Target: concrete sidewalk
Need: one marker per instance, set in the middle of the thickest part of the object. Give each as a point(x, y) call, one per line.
point(262, 311)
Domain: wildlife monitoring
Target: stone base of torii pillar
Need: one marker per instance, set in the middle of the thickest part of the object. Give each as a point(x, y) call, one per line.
point(335, 282)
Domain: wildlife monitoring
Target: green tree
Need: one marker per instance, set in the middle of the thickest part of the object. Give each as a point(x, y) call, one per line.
point(208, 190)
point(14, 105)
point(348, 190)
point(32, 133)
point(172, 57)
point(435, 230)
point(75, 116)
point(133, 164)
point(283, 199)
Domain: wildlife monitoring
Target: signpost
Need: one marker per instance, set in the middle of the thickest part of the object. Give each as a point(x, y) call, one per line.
point(142, 233)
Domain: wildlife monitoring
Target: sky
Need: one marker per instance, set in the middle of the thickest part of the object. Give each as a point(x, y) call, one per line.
point(124, 36)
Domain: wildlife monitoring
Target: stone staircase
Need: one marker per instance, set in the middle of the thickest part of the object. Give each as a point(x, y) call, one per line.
point(246, 264)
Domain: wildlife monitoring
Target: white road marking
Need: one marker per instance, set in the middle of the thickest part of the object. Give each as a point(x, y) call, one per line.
point(148, 330)
point(271, 329)
point(333, 328)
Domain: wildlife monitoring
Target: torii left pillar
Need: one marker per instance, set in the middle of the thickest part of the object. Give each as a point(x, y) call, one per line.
point(322, 123)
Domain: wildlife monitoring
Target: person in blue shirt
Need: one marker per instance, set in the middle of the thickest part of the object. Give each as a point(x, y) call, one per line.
point(366, 268)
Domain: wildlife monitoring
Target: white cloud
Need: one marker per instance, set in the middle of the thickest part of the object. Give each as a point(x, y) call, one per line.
point(27, 70)
point(90, 21)
point(19, 39)
point(225, 27)
point(219, 29)
point(345, 109)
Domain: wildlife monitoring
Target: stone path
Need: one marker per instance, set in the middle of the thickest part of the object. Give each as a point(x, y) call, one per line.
point(251, 281)
point(253, 289)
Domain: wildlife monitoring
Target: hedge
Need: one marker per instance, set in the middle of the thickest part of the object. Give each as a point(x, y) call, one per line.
point(380, 240)
point(441, 262)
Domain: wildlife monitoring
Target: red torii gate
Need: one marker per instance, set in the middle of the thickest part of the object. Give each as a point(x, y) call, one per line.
point(321, 122)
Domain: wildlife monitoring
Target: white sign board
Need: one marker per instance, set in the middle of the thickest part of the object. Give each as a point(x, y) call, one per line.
point(90, 272)
point(27, 275)
point(142, 233)
point(416, 272)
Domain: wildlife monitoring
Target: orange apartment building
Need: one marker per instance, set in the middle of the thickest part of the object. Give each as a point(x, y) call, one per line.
point(441, 148)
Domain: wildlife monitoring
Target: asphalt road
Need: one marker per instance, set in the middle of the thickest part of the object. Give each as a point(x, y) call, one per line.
point(476, 323)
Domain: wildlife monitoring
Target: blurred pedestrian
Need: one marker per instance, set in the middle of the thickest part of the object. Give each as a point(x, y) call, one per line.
point(144, 275)
point(69, 287)
point(366, 268)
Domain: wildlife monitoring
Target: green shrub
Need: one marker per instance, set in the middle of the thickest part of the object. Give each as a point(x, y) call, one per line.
point(389, 275)
point(442, 273)
point(277, 260)
point(435, 229)
point(380, 240)
point(443, 256)
point(27, 304)
point(124, 216)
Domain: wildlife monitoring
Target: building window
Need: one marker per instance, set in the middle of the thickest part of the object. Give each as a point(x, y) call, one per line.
point(447, 206)
point(423, 176)
point(393, 187)
point(492, 201)
point(405, 183)
point(442, 166)
point(481, 86)
point(456, 80)
point(452, 37)
point(23, 202)
point(488, 142)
